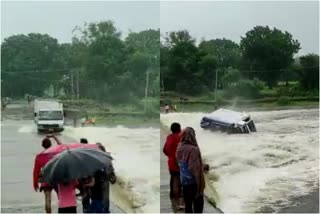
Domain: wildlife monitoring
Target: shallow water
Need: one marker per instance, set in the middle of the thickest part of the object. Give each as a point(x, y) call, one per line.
point(262, 170)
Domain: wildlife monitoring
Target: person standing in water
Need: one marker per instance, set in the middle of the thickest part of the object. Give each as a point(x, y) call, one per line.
point(191, 171)
point(170, 149)
point(39, 163)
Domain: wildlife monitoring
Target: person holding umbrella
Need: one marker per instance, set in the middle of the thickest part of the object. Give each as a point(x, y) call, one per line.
point(74, 164)
point(39, 163)
point(100, 188)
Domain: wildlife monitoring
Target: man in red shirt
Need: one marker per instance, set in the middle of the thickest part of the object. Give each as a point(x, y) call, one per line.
point(170, 149)
point(39, 163)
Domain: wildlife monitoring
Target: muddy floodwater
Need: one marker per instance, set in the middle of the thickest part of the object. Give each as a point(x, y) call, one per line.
point(136, 161)
point(265, 171)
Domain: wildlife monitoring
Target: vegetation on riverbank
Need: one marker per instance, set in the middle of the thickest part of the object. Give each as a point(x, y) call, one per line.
point(207, 103)
point(130, 115)
point(99, 64)
point(262, 70)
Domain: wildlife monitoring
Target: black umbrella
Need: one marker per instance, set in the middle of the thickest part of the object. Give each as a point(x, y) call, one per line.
point(75, 164)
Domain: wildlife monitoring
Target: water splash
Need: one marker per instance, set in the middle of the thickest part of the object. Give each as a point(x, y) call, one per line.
point(269, 167)
point(137, 160)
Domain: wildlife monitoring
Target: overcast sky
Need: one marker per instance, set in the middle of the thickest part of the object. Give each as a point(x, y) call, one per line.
point(58, 19)
point(203, 19)
point(233, 19)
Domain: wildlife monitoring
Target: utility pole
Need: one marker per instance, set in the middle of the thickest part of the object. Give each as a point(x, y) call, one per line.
point(77, 84)
point(146, 90)
point(72, 88)
point(162, 81)
point(216, 85)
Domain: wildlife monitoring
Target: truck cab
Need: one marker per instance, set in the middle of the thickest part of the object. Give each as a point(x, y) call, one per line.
point(48, 116)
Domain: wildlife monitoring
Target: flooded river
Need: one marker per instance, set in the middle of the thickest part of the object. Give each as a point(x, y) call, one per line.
point(137, 160)
point(136, 154)
point(263, 171)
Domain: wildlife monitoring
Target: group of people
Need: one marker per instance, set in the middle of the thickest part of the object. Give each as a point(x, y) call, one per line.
point(186, 169)
point(170, 108)
point(5, 101)
point(88, 121)
point(94, 190)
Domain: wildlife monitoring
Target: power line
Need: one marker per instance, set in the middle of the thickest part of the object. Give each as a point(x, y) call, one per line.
point(282, 69)
point(54, 80)
point(35, 71)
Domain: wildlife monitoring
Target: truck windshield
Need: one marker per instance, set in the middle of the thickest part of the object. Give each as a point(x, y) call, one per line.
point(50, 115)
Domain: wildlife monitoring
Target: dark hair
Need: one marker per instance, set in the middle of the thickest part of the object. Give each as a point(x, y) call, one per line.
point(84, 141)
point(206, 167)
point(175, 128)
point(46, 143)
point(101, 147)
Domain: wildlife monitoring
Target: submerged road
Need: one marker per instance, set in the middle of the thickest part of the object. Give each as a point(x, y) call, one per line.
point(19, 145)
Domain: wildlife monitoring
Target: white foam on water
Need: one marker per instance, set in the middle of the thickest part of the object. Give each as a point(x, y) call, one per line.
point(137, 159)
point(262, 169)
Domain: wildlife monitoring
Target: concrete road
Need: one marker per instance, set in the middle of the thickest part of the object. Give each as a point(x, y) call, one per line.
point(19, 145)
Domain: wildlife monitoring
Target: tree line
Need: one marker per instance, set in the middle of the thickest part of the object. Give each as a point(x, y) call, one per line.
point(264, 58)
point(98, 64)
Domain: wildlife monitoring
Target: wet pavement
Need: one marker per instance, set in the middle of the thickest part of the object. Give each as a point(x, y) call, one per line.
point(19, 145)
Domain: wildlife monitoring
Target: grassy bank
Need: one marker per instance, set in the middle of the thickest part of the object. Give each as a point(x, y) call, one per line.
point(111, 115)
point(106, 115)
point(200, 107)
point(206, 103)
point(127, 121)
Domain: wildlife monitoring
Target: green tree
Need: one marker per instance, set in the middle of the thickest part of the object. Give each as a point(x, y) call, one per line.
point(208, 66)
point(182, 64)
point(231, 77)
point(268, 50)
point(226, 52)
point(26, 61)
point(144, 57)
point(308, 72)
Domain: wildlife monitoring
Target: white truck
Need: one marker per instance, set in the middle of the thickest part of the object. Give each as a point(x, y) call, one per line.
point(48, 116)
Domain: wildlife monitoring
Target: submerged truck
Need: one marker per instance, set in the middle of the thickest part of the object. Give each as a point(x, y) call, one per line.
point(228, 121)
point(48, 115)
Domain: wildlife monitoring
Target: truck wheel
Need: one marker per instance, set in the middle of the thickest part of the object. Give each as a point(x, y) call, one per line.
point(252, 127)
point(246, 130)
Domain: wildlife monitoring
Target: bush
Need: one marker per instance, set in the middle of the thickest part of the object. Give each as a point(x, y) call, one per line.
point(231, 77)
point(245, 88)
point(283, 91)
point(219, 100)
point(284, 100)
point(151, 105)
point(169, 94)
point(258, 84)
point(295, 91)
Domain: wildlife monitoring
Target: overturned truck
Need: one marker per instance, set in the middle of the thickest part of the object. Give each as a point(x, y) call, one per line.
point(228, 121)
